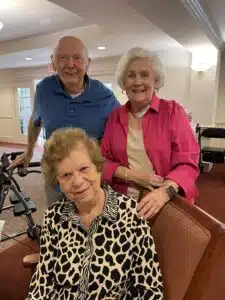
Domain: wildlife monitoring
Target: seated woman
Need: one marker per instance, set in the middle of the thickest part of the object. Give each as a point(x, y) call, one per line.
point(93, 245)
point(148, 142)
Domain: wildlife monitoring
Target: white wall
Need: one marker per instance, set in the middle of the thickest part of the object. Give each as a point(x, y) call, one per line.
point(220, 103)
point(220, 109)
point(177, 67)
point(7, 109)
point(203, 96)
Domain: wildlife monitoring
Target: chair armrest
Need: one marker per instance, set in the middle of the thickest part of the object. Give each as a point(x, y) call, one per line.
point(30, 261)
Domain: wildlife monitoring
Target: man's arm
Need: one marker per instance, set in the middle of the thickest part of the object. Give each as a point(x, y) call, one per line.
point(35, 122)
point(34, 130)
point(33, 133)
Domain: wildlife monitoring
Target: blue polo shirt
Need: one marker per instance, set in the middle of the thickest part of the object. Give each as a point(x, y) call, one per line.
point(56, 108)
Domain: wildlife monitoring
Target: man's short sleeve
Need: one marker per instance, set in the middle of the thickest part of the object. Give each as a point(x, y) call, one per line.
point(37, 107)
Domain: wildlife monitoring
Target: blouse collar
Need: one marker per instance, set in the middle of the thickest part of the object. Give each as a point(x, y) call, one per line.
point(110, 210)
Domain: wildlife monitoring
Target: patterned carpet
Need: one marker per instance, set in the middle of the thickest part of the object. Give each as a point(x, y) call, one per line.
point(211, 188)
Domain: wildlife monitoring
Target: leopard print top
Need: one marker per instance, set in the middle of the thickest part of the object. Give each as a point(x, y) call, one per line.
point(114, 259)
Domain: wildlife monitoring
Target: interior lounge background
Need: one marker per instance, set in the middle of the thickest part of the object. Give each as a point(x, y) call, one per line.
point(189, 37)
point(190, 46)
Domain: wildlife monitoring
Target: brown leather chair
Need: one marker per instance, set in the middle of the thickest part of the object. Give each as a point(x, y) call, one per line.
point(14, 279)
point(191, 251)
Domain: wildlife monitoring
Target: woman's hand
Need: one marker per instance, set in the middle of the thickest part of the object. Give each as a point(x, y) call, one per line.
point(152, 203)
point(143, 179)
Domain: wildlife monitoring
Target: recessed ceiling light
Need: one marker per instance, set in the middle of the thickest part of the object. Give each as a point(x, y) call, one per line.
point(101, 47)
point(1, 25)
point(4, 4)
point(28, 58)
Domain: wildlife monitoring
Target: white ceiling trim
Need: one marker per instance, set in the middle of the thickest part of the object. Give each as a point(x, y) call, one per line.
point(202, 15)
point(172, 17)
point(45, 41)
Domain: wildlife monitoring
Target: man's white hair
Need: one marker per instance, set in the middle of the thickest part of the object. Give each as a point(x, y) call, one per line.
point(136, 53)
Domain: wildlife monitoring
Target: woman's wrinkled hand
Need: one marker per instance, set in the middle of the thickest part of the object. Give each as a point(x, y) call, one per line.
point(152, 203)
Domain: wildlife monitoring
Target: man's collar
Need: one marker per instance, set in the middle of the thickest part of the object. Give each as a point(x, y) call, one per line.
point(110, 210)
point(86, 82)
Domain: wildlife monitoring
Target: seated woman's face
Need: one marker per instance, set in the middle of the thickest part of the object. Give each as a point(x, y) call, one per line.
point(78, 177)
point(139, 81)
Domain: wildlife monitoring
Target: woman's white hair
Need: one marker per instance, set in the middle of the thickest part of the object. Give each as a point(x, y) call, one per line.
point(136, 53)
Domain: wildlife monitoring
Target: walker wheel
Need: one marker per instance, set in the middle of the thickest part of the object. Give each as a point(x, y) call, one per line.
point(34, 233)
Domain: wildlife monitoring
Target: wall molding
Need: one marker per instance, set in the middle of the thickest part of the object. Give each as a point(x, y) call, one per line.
point(202, 14)
point(6, 139)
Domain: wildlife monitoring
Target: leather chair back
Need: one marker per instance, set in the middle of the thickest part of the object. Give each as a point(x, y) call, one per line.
point(191, 250)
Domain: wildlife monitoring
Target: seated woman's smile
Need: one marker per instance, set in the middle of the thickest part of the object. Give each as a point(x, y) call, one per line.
point(78, 176)
point(79, 180)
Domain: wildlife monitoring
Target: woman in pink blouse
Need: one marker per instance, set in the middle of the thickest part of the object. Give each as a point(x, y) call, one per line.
point(148, 142)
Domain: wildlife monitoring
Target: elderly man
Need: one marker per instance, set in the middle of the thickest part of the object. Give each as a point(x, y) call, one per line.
point(68, 98)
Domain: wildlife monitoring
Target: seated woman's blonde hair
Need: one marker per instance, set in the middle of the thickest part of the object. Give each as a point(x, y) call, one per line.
point(59, 146)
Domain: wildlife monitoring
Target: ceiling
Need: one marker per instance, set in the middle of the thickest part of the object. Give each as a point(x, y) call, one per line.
point(32, 27)
point(217, 11)
point(24, 18)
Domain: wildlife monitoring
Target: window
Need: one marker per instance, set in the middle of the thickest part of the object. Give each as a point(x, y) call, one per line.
point(24, 103)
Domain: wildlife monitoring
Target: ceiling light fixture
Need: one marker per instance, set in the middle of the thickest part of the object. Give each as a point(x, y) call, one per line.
point(28, 58)
point(101, 47)
point(203, 58)
point(4, 4)
point(1, 25)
